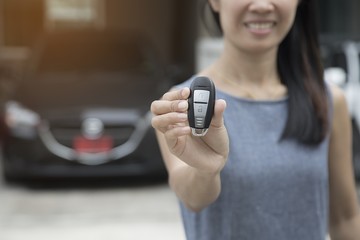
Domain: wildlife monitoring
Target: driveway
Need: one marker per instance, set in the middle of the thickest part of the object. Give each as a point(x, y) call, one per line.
point(143, 211)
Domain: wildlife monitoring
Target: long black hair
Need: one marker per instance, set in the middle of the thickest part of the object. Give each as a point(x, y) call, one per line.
point(301, 71)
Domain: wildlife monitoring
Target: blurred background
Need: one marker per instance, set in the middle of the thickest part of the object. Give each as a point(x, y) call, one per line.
point(79, 159)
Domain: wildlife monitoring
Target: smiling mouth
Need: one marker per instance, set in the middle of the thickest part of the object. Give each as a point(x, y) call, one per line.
point(260, 25)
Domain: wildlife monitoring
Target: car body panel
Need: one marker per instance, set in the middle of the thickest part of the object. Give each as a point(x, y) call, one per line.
point(74, 76)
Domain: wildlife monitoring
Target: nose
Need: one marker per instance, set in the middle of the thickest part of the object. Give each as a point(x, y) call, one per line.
point(261, 6)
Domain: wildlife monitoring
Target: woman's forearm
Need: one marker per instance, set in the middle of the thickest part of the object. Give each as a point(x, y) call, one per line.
point(194, 188)
point(346, 230)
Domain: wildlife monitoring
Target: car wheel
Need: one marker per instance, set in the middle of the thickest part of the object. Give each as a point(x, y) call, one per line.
point(8, 174)
point(9, 177)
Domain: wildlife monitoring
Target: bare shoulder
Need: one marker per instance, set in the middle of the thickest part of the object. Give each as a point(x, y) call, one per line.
point(341, 123)
point(339, 101)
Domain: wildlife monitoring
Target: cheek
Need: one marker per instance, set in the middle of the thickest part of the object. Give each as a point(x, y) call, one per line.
point(231, 15)
point(289, 13)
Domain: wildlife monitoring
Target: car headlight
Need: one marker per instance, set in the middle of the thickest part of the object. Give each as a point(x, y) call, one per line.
point(335, 75)
point(21, 121)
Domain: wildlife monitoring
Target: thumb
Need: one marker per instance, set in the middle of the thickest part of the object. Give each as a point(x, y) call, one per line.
point(218, 120)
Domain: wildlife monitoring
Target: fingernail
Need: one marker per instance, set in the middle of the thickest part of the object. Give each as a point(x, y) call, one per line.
point(182, 93)
point(182, 105)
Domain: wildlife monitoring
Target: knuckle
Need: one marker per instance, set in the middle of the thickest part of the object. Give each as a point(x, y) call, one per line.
point(158, 107)
point(154, 122)
point(169, 118)
point(173, 106)
point(179, 94)
point(153, 107)
point(166, 96)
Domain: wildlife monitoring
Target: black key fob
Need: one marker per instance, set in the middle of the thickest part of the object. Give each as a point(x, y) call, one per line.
point(201, 105)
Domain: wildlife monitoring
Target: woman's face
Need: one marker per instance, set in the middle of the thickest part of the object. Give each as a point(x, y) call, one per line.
point(255, 25)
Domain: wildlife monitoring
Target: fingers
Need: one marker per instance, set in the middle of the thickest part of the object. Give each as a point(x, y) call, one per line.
point(218, 120)
point(159, 107)
point(181, 94)
point(172, 101)
point(217, 137)
point(167, 121)
point(173, 136)
point(170, 110)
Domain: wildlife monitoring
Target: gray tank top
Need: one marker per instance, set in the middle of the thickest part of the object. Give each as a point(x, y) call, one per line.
point(271, 189)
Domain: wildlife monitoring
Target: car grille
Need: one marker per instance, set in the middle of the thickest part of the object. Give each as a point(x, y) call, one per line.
point(66, 135)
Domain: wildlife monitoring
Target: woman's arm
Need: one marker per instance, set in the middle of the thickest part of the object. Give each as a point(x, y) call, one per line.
point(196, 189)
point(344, 209)
point(193, 163)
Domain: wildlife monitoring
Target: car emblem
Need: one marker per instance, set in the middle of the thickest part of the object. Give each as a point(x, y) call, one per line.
point(92, 128)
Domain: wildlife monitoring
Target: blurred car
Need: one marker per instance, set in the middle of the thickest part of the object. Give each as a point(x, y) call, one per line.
point(82, 108)
point(342, 67)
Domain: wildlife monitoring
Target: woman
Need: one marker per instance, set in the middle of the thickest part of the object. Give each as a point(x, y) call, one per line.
point(277, 163)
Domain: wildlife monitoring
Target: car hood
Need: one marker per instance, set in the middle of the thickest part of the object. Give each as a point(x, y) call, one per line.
point(73, 117)
point(71, 97)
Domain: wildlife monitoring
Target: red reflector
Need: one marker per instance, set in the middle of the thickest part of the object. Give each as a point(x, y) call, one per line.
point(84, 145)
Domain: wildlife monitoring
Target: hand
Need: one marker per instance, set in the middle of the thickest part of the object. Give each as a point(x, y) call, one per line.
point(207, 154)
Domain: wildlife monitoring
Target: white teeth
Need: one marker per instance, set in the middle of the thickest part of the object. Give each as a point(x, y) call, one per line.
point(260, 26)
